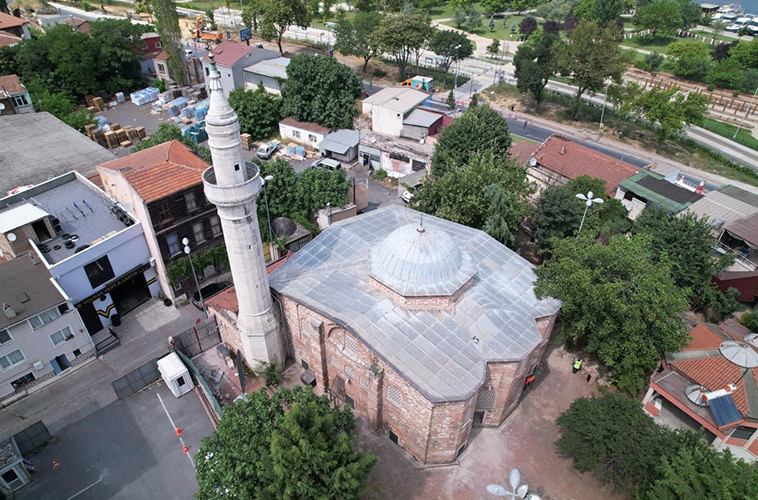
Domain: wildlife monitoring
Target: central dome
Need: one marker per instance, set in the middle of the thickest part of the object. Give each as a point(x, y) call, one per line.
point(417, 261)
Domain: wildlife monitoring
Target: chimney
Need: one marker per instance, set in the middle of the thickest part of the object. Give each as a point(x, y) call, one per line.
point(563, 150)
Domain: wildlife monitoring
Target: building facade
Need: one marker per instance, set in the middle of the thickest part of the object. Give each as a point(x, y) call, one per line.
point(41, 335)
point(162, 186)
point(14, 97)
point(389, 107)
point(231, 59)
point(306, 133)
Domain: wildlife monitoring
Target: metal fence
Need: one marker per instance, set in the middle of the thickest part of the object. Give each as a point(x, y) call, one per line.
point(137, 380)
point(32, 437)
point(200, 338)
point(205, 390)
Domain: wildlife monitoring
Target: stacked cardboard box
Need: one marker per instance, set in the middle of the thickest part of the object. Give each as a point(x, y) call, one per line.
point(141, 132)
point(247, 141)
point(111, 140)
point(98, 103)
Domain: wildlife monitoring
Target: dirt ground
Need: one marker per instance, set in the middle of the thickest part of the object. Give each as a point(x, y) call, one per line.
point(526, 440)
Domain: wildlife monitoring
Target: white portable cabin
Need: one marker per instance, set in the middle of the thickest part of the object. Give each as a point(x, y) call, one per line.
point(175, 374)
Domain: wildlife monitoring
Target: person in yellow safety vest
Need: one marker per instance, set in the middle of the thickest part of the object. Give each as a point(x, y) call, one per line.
point(577, 365)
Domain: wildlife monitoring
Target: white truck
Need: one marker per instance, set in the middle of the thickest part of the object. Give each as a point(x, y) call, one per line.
point(266, 150)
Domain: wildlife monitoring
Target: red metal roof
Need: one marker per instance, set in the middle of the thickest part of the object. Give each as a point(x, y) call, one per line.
point(160, 171)
point(703, 338)
point(228, 53)
point(570, 159)
point(6, 39)
point(8, 21)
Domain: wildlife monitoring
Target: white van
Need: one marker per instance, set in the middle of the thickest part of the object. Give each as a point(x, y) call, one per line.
point(327, 163)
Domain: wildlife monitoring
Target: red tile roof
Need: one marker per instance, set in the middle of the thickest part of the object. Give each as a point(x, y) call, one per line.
point(715, 373)
point(81, 24)
point(228, 53)
point(227, 299)
point(9, 85)
point(96, 180)
point(6, 39)
point(160, 171)
point(161, 56)
point(8, 21)
point(570, 159)
point(520, 152)
point(313, 127)
point(703, 338)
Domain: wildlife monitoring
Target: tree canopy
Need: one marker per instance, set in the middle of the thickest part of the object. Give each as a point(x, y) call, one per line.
point(356, 37)
point(612, 437)
point(589, 57)
point(619, 303)
point(402, 36)
point(167, 25)
point(556, 10)
point(480, 129)
point(534, 62)
point(483, 191)
point(670, 111)
point(276, 16)
point(322, 90)
point(258, 111)
point(452, 46)
point(292, 445)
point(558, 213)
point(169, 132)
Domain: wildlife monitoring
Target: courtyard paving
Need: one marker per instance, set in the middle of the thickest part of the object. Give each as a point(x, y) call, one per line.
point(526, 440)
point(125, 450)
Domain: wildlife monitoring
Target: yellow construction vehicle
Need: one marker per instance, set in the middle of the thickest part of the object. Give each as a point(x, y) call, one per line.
point(200, 33)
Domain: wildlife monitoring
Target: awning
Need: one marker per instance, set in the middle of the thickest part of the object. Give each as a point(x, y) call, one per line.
point(115, 283)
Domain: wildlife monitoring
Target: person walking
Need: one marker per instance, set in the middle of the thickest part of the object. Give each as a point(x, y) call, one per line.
point(577, 365)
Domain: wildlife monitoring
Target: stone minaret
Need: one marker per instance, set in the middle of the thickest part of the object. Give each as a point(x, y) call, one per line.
point(233, 185)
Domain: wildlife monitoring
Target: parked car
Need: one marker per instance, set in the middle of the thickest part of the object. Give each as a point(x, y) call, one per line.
point(408, 193)
point(265, 151)
point(327, 163)
point(189, 53)
point(209, 291)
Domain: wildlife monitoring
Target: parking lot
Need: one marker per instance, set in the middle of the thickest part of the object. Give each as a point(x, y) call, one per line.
point(125, 450)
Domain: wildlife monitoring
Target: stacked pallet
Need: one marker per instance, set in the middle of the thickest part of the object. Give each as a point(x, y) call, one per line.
point(88, 129)
point(121, 134)
point(98, 103)
point(111, 140)
point(115, 126)
point(132, 134)
point(141, 132)
point(247, 141)
point(99, 137)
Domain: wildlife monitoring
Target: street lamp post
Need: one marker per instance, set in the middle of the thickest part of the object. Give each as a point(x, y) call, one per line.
point(187, 251)
point(457, 66)
point(602, 113)
point(588, 202)
point(517, 490)
point(266, 179)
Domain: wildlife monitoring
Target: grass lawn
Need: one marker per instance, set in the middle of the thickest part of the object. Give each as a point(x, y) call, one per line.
point(501, 32)
point(727, 130)
point(204, 5)
point(661, 43)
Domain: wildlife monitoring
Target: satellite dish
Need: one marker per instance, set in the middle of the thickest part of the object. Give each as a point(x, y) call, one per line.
point(128, 207)
point(739, 353)
point(532, 161)
point(497, 490)
point(515, 478)
point(2, 107)
point(752, 339)
point(11, 237)
point(695, 394)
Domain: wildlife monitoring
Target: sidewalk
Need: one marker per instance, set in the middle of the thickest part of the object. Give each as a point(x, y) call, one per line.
point(82, 392)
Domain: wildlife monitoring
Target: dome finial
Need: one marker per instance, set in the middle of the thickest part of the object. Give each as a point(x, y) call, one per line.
point(420, 227)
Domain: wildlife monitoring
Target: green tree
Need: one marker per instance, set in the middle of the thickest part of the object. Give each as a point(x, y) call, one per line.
point(321, 90)
point(589, 58)
point(356, 37)
point(654, 61)
point(144, 7)
point(480, 129)
point(558, 213)
point(534, 62)
point(59, 104)
point(494, 48)
point(527, 26)
point(663, 17)
point(318, 186)
point(484, 192)
point(606, 12)
point(451, 46)
point(292, 445)
point(278, 15)
point(691, 58)
point(612, 437)
point(557, 10)
point(281, 190)
point(451, 100)
point(169, 132)
point(746, 53)
point(493, 6)
point(473, 19)
point(167, 25)
point(699, 471)
point(259, 112)
point(252, 11)
point(402, 36)
point(118, 55)
point(619, 303)
point(670, 111)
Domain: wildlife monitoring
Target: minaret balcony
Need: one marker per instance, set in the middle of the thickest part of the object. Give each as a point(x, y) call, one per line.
point(236, 194)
